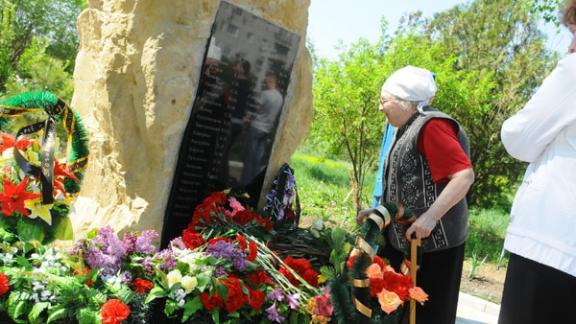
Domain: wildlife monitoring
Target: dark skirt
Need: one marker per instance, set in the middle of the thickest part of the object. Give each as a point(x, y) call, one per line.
point(439, 276)
point(537, 294)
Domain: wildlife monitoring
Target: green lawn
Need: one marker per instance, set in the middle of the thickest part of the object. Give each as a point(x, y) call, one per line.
point(324, 189)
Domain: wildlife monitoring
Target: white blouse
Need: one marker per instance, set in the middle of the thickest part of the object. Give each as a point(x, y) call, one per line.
point(543, 217)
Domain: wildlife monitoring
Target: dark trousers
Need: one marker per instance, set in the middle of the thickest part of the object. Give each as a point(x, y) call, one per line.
point(439, 276)
point(537, 294)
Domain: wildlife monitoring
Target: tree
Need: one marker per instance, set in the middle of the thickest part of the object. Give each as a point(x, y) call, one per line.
point(488, 57)
point(24, 23)
point(347, 119)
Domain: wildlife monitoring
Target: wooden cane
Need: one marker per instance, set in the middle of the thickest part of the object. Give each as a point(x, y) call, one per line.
point(414, 244)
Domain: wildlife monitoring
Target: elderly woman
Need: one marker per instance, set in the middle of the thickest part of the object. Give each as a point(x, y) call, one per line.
point(540, 284)
point(429, 171)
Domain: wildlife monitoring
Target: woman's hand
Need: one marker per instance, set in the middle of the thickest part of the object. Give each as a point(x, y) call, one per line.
point(363, 214)
point(423, 226)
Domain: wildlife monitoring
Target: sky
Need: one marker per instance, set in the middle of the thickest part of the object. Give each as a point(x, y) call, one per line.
point(331, 22)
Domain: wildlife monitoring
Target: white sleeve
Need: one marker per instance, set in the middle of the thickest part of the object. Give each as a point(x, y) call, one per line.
point(526, 134)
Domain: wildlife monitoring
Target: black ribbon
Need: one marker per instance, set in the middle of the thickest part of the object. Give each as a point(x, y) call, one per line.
point(45, 172)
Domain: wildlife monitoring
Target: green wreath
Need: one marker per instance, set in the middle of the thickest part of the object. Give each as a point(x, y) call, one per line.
point(58, 113)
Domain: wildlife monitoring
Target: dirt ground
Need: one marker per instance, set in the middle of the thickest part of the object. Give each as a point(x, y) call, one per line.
point(487, 284)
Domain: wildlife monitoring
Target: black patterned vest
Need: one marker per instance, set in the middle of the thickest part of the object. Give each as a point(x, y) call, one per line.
point(407, 180)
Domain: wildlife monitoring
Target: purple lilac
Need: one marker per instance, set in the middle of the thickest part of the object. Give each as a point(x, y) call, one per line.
point(294, 301)
point(97, 259)
point(230, 252)
point(129, 242)
point(144, 241)
point(167, 258)
point(272, 314)
point(178, 243)
point(220, 271)
point(126, 277)
point(110, 242)
point(276, 295)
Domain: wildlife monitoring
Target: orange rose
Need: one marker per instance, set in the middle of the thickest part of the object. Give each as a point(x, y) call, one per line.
point(389, 301)
point(418, 294)
point(374, 271)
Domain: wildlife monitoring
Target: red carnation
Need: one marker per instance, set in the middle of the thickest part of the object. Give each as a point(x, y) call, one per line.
point(236, 298)
point(218, 239)
point(244, 217)
point(256, 279)
point(142, 286)
point(252, 251)
point(398, 283)
point(303, 268)
point(211, 302)
point(4, 284)
point(379, 261)
point(114, 312)
point(241, 241)
point(192, 239)
point(256, 299)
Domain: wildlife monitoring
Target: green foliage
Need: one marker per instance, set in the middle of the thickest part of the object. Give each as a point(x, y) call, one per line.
point(488, 56)
point(486, 234)
point(38, 44)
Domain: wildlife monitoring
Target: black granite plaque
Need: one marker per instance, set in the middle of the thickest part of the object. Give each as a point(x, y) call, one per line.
point(240, 97)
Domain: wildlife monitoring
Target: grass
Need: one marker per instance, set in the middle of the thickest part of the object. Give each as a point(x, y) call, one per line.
point(324, 189)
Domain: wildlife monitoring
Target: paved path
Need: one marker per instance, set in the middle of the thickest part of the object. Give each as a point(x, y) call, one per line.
point(474, 310)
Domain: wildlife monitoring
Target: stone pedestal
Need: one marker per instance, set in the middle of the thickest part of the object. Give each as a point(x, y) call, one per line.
point(135, 80)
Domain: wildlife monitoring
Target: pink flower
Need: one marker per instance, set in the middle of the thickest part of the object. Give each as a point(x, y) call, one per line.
point(374, 271)
point(235, 205)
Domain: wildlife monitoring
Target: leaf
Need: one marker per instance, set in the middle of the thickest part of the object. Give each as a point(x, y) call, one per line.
point(191, 307)
point(125, 294)
point(37, 309)
point(62, 228)
point(23, 262)
point(156, 292)
point(170, 307)
point(203, 281)
point(88, 316)
point(216, 316)
point(57, 313)
point(222, 290)
point(30, 231)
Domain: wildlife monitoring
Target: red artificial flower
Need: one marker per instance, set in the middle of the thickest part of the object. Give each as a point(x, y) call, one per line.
point(114, 312)
point(397, 283)
point(350, 262)
point(236, 297)
point(4, 284)
point(62, 170)
point(256, 299)
point(13, 197)
point(192, 239)
point(211, 302)
point(252, 251)
point(265, 222)
point(379, 261)
point(217, 198)
point(303, 268)
point(241, 241)
point(142, 286)
point(9, 141)
point(256, 279)
point(79, 272)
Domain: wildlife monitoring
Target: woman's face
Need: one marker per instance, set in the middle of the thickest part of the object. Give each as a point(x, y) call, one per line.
point(572, 47)
point(395, 113)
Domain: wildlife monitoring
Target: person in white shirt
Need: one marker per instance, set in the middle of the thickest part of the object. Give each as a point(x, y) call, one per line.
point(540, 284)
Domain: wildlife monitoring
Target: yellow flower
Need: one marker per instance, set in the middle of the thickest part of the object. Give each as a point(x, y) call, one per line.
point(39, 210)
point(389, 301)
point(189, 283)
point(174, 277)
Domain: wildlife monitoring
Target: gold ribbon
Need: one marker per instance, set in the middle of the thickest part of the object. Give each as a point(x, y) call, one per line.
point(378, 220)
point(385, 214)
point(364, 246)
point(365, 310)
point(361, 283)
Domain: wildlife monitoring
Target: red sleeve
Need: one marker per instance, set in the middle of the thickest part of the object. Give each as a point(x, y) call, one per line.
point(439, 144)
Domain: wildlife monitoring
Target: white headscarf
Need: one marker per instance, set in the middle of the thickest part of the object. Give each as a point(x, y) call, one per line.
point(412, 84)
